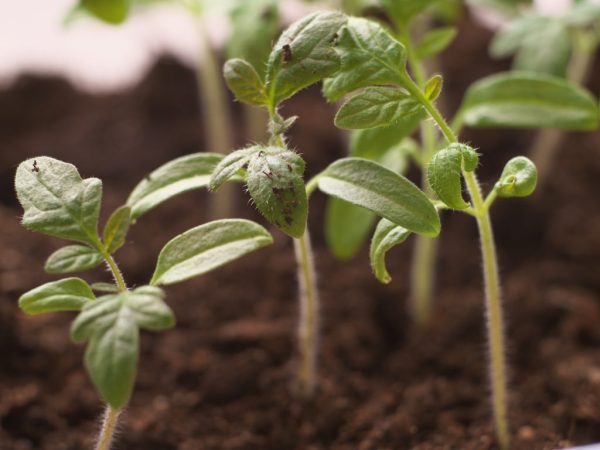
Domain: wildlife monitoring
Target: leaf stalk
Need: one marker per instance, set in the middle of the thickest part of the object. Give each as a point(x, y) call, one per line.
point(109, 423)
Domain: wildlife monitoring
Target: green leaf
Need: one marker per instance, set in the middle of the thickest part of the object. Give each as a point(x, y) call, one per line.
point(110, 11)
point(367, 184)
point(303, 55)
point(435, 41)
point(111, 324)
point(105, 287)
point(207, 247)
point(70, 294)
point(231, 165)
point(528, 100)
point(403, 11)
point(275, 184)
point(243, 80)
point(116, 228)
point(387, 235)
point(444, 173)
point(433, 87)
point(173, 178)
point(57, 201)
point(548, 50)
point(370, 56)
point(518, 178)
point(73, 258)
point(377, 107)
point(509, 39)
point(346, 227)
point(255, 25)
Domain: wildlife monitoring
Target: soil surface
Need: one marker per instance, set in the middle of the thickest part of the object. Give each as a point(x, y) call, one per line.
point(222, 379)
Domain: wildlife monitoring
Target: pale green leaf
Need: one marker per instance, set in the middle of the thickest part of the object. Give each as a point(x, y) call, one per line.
point(529, 100)
point(444, 173)
point(73, 258)
point(110, 11)
point(110, 288)
point(518, 178)
point(245, 83)
point(435, 41)
point(255, 25)
point(111, 324)
point(367, 184)
point(433, 87)
point(70, 294)
point(303, 55)
point(583, 13)
point(378, 107)
point(275, 184)
point(510, 38)
point(346, 227)
point(173, 178)
point(116, 229)
point(230, 166)
point(387, 235)
point(546, 51)
point(403, 11)
point(57, 201)
point(370, 56)
point(207, 247)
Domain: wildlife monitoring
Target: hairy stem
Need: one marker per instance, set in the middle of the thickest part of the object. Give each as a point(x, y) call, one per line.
point(495, 320)
point(308, 328)
point(547, 143)
point(109, 423)
point(217, 121)
point(495, 324)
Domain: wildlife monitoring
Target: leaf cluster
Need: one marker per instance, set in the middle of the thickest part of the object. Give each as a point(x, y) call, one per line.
point(58, 202)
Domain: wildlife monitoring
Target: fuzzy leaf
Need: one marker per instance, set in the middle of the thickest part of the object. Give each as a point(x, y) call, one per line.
point(230, 165)
point(70, 294)
point(111, 324)
point(518, 178)
point(303, 55)
point(378, 107)
point(387, 235)
point(110, 11)
point(116, 228)
point(207, 247)
point(243, 80)
point(529, 100)
point(57, 201)
point(110, 288)
point(173, 178)
point(275, 184)
point(370, 56)
point(433, 87)
point(367, 184)
point(444, 173)
point(435, 42)
point(73, 258)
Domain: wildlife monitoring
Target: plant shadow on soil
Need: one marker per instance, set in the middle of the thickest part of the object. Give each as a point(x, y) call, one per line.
point(221, 380)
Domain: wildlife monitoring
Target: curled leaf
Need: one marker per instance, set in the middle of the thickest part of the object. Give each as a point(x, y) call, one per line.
point(230, 165)
point(444, 173)
point(243, 80)
point(518, 178)
point(387, 235)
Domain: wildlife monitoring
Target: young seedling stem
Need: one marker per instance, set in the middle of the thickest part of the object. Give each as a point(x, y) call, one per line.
point(495, 323)
point(218, 125)
point(109, 423)
point(422, 272)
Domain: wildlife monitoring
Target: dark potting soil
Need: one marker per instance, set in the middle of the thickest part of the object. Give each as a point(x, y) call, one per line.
point(222, 379)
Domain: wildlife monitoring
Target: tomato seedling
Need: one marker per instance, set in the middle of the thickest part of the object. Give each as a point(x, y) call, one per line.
point(374, 73)
point(58, 202)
